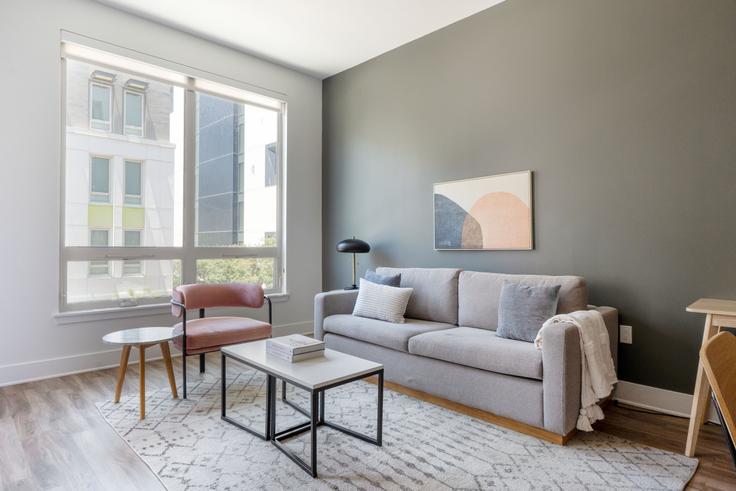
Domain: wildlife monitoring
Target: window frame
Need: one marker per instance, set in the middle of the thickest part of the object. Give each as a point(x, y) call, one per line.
point(111, 92)
point(141, 202)
point(126, 126)
point(192, 82)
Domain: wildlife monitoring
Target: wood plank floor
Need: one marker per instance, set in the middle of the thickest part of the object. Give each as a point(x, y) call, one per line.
point(52, 436)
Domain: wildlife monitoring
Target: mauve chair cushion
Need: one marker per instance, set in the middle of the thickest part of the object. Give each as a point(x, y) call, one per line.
point(205, 296)
point(210, 333)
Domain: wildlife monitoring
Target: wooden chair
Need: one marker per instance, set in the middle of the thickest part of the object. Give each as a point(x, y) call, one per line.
point(205, 334)
point(719, 360)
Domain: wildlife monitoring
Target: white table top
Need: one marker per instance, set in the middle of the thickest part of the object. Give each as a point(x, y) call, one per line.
point(141, 335)
point(713, 306)
point(313, 373)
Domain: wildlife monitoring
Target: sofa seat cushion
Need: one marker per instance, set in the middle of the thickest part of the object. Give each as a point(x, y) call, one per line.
point(480, 348)
point(382, 333)
point(211, 333)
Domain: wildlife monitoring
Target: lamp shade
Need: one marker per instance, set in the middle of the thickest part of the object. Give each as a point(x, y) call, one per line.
point(356, 246)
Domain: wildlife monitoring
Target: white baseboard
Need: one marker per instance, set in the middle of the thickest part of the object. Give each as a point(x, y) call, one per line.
point(656, 399)
point(29, 371)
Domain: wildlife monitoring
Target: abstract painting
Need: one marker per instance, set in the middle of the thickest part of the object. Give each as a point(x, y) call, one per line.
point(484, 213)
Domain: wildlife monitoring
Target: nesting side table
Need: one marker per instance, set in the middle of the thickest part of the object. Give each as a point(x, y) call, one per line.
point(718, 314)
point(142, 338)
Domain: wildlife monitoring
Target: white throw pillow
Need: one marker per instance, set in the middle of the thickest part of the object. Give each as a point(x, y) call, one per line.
point(382, 302)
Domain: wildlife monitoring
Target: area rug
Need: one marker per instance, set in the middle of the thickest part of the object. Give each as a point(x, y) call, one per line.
point(425, 446)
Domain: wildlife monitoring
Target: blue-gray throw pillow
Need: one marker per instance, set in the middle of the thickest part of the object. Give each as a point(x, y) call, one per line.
point(383, 279)
point(522, 309)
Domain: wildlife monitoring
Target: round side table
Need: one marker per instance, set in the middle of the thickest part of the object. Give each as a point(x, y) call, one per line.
point(142, 338)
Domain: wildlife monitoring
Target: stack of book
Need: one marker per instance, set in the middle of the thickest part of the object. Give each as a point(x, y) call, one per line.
point(294, 348)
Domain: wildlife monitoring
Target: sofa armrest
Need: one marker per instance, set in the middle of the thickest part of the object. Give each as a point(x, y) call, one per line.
point(331, 303)
point(610, 317)
point(561, 365)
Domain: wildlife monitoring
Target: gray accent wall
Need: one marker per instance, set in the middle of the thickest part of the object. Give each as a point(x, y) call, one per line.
point(625, 111)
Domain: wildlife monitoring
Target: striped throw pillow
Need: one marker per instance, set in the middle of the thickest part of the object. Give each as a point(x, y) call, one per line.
point(382, 302)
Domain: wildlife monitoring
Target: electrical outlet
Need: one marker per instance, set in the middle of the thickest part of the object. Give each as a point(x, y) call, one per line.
point(625, 335)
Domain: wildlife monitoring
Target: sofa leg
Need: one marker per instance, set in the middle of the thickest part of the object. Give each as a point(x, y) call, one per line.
point(201, 363)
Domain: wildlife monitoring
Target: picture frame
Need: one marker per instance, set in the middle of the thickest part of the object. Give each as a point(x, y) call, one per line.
point(488, 213)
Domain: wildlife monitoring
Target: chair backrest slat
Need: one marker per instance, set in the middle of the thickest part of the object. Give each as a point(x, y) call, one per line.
point(719, 360)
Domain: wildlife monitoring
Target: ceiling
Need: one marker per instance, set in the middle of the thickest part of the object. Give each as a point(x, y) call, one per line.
point(318, 37)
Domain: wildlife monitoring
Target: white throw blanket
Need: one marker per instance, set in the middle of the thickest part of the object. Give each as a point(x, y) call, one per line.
point(598, 375)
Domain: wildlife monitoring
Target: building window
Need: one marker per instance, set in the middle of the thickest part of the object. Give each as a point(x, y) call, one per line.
point(100, 106)
point(132, 267)
point(133, 183)
point(99, 172)
point(133, 112)
point(99, 238)
point(226, 226)
point(271, 173)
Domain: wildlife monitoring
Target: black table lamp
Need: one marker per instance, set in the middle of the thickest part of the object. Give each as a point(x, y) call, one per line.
point(353, 246)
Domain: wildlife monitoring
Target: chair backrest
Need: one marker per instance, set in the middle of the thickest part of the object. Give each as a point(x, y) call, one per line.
point(719, 360)
point(205, 296)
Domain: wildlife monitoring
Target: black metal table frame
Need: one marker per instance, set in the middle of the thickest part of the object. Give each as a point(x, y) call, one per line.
point(316, 414)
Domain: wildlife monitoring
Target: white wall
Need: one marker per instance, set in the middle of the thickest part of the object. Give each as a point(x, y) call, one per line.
point(33, 343)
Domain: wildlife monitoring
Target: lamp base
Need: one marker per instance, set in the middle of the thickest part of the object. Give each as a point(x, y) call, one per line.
point(353, 287)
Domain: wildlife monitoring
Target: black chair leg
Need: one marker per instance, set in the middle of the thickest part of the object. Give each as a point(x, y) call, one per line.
point(201, 363)
point(184, 373)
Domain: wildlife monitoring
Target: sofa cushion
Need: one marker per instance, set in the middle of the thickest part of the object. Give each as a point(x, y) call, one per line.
point(478, 295)
point(382, 333)
point(480, 348)
point(382, 302)
point(435, 292)
point(381, 279)
point(523, 309)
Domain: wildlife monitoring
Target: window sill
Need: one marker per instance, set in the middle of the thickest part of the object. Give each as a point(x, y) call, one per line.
point(97, 315)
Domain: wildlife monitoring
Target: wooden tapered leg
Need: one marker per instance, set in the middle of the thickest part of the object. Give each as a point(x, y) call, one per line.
point(169, 367)
point(124, 355)
point(706, 409)
point(142, 369)
point(701, 395)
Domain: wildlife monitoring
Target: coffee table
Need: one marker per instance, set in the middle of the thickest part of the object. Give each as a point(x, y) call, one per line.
point(142, 338)
point(316, 376)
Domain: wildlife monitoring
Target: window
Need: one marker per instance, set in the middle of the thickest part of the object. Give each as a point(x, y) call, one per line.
point(235, 207)
point(99, 172)
point(100, 106)
point(133, 112)
point(212, 193)
point(271, 165)
point(133, 183)
point(99, 238)
point(131, 267)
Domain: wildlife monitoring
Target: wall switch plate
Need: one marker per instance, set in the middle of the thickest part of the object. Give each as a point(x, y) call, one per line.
point(625, 335)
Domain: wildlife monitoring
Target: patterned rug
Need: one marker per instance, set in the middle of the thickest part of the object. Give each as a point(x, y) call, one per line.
point(425, 446)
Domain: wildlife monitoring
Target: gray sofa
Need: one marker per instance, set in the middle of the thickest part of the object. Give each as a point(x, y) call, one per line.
point(448, 346)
